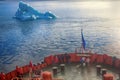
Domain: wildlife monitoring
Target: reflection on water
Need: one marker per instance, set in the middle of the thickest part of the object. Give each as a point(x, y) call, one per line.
point(21, 42)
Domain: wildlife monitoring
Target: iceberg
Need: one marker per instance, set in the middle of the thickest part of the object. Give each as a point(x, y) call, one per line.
point(27, 12)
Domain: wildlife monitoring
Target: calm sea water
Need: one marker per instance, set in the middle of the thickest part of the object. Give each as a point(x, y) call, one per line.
point(21, 42)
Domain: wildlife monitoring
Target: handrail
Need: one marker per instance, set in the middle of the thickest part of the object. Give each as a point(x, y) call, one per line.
point(48, 60)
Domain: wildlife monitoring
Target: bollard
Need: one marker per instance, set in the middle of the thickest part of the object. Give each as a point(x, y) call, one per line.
point(118, 76)
point(104, 71)
point(62, 67)
point(46, 75)
point(54, 70)
point(98, 69)
point(108, 76)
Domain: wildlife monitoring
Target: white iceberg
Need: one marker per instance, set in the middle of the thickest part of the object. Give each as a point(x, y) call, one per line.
point(26, 12)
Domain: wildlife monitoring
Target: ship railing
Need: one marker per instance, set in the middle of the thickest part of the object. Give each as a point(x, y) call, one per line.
point(53, 59)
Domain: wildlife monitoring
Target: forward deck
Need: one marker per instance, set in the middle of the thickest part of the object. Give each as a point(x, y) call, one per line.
point(76, 72)
point(73, 70)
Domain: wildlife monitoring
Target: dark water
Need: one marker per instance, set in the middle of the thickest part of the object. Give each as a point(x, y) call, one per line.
point(21, 42)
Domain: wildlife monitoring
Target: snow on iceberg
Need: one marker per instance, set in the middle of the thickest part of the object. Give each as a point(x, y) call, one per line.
point(26, 12)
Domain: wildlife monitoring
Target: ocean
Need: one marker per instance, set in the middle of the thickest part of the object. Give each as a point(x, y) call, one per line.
point(24, 41)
